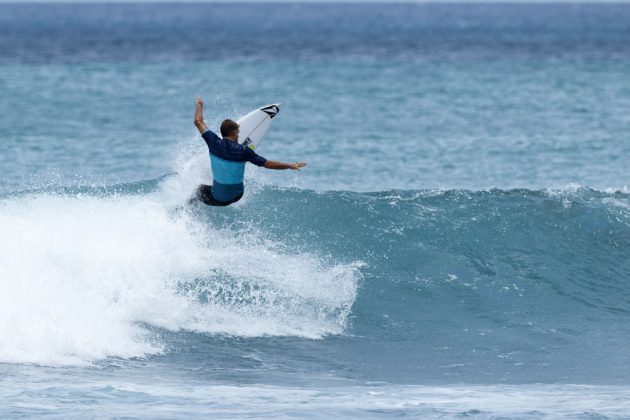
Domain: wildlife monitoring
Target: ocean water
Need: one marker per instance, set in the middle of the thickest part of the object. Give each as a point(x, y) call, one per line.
point(458, 245)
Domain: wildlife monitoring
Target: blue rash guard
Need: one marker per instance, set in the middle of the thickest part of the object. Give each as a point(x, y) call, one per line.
point(227, 159)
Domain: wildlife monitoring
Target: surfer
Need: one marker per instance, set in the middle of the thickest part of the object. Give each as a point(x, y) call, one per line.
point(228, 159)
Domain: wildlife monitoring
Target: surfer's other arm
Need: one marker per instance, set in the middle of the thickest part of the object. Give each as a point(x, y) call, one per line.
point(258, 160)
point(272, 164)
point(201, 125)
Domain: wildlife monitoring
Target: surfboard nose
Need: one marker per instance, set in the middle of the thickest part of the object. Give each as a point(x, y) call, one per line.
point(271, 110)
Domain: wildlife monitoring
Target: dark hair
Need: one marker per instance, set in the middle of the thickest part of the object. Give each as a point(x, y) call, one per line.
point(228, 127)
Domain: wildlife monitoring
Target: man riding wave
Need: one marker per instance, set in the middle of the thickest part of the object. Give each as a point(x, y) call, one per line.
point(227, 159)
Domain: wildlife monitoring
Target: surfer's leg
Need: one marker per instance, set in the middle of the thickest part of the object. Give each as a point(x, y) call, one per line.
point(204, 194)
point(234, 200)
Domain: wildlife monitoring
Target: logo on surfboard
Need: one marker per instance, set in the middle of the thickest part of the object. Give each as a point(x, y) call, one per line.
point(270, 110)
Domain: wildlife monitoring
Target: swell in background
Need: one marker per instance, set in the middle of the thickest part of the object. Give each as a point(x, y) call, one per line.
point(376, 96)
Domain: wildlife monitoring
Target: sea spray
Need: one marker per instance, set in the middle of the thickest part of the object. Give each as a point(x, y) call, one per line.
point(81, 277)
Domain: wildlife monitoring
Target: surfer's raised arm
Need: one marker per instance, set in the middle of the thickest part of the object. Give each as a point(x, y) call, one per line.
point(201, 125)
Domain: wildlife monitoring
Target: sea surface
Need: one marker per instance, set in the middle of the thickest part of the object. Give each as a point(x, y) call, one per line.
point(457, 247)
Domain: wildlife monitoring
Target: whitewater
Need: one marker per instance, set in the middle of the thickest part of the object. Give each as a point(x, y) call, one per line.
point(89, 272)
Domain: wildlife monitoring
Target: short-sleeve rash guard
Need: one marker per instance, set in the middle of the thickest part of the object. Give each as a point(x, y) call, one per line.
point(228, 159)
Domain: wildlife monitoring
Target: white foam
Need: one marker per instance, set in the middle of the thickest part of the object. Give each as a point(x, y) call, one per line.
point(514, 401)
point(258, 401)
point(192, 165)
point(81, 277)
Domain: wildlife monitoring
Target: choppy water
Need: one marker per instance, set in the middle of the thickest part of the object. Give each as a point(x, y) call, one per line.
point(457, 246)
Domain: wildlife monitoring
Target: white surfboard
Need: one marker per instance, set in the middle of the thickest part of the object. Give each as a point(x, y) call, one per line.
point(254, 126)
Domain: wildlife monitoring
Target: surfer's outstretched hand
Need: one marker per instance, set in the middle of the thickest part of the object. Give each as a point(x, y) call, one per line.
point(272, 164)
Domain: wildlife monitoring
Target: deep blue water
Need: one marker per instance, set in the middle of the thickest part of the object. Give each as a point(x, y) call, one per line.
point(457, 246)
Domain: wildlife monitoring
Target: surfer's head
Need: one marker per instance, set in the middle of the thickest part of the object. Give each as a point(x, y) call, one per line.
point(229, 129)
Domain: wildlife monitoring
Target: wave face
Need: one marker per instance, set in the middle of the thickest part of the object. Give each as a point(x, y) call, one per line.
point(478, 286)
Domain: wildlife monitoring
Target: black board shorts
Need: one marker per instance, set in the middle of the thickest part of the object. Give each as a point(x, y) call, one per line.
point(204, 194)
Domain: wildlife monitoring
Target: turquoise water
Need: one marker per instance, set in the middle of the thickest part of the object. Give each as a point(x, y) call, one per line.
point(363, 126)
point(457, 246)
